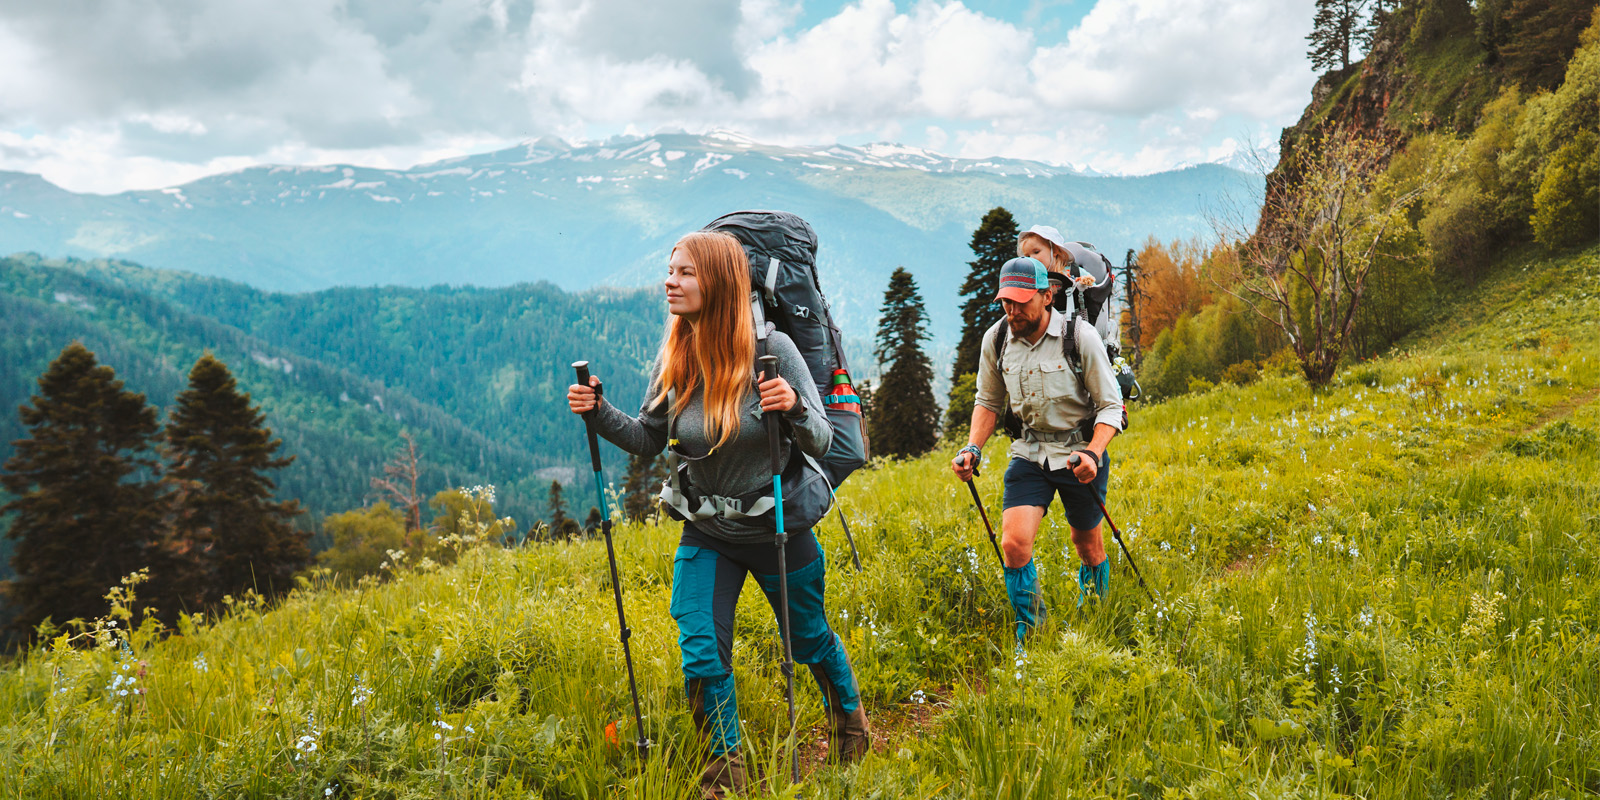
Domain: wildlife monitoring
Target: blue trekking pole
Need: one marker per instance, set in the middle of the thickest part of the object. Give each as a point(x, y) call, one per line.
point(769, 370)
point(582, 367)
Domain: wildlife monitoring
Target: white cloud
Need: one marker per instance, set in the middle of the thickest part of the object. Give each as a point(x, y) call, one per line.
point(136, 89)
point(1142, 56)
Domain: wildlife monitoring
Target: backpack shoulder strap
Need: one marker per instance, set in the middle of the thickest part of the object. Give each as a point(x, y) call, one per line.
point(1069, 343)
point(1000, 339)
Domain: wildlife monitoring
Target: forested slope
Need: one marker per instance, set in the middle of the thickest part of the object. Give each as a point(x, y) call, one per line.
point(476, 375)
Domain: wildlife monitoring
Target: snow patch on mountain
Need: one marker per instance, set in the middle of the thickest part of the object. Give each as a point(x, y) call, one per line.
point(708, 161)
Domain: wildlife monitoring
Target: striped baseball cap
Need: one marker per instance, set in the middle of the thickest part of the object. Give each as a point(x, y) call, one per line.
point(1020, 278)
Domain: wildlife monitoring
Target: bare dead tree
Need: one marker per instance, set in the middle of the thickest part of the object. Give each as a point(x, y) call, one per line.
point(1135, 295)
point(1322, 225)
point(399, 482)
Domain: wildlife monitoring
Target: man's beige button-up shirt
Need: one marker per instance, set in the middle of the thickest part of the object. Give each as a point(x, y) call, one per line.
point(1044, 393)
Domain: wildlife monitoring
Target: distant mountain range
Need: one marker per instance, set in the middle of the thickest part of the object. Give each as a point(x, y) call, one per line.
point(605, 214)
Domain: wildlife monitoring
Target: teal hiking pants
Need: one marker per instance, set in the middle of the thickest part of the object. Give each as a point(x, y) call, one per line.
point(707, 577)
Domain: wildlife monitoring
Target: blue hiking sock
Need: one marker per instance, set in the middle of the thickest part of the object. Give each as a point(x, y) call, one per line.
point(1095, 580)
point(1022, 586)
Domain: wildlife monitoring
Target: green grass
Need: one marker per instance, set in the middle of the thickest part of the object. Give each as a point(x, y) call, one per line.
point(1388, 589)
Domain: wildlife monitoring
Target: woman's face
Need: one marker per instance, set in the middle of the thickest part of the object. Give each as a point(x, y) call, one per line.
point(683, 286)
point(1040, 250)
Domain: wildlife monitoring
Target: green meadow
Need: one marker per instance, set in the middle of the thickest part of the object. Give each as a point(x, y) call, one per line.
point(1387, 589)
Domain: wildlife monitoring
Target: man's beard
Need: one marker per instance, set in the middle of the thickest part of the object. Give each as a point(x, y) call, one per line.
point(1023, 328)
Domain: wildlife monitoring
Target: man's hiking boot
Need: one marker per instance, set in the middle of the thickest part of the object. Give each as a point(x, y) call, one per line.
point(849, 734)
point(724, 776)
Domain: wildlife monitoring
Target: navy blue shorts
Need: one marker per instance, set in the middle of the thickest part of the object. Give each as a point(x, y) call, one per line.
point(1028, 484)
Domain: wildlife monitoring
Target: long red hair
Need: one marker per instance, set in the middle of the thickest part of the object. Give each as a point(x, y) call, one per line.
point(719, 348)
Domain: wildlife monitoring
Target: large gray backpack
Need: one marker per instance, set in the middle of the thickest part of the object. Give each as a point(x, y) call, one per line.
point(782, 249)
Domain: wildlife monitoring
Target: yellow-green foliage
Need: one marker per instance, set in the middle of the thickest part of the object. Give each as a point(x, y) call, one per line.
point(1532, 165)
point(1387, 589)
point(1566, 208)
point(466, 515)
point(1201, 348)
point(362, 540)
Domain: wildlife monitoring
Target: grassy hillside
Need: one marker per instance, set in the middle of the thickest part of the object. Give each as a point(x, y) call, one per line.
point(1384, 590)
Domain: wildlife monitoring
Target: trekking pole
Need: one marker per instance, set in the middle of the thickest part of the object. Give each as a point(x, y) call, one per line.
point(855, 557)
point(1072, 461)
point(979, 503)
point(769, 370)
point(582, 367)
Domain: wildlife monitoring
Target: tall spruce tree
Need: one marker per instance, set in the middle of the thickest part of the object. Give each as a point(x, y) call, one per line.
point(640, 485)
point(88, 505)
point(219, 454)
point(560, 523)
point(993, 243)
point(905, 418)
point(1332, 31)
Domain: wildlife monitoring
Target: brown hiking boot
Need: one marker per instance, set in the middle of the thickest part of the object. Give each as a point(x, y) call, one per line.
point(723, 776)
point(849, 734)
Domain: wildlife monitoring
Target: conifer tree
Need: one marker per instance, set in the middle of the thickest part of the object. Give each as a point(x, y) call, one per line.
point(87, 508)
point(641, 484)
point(905, 418)
point(993, 243)
point(1332, 31)
point(560, 523)
point(1367, 32)
point(227, 519)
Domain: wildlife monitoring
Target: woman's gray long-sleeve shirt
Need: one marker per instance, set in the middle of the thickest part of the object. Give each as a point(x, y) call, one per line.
point(742, 465)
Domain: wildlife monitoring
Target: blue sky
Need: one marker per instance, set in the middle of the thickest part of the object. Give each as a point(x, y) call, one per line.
point(107, 95)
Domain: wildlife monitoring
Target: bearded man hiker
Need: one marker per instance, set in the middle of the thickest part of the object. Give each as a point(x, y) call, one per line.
point(1051, 372)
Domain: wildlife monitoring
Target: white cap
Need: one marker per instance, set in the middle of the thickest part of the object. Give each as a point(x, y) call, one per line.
point(1049, 234)
point(1084, 256)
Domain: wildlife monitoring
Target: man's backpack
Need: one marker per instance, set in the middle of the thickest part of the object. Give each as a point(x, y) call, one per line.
point(782, 249)
point(1095, 301)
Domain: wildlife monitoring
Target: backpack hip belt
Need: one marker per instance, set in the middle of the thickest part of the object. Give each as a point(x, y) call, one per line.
point(690, 506)
point(1032, 436)
point(730, 508)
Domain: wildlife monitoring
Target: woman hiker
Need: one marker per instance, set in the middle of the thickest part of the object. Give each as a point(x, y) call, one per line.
point(704, 400)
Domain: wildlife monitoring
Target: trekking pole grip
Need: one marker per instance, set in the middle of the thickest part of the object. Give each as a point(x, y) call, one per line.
point(769, 370)
point(582, 368)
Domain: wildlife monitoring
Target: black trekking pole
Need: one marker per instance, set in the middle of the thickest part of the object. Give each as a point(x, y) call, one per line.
point(1072, 461)
point(855, 557)
point(986, 526)
point(769, 370)
point(582, 367)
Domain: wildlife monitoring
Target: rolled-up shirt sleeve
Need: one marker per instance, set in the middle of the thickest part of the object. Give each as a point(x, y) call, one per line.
point(1101, 380)
point(991, 384)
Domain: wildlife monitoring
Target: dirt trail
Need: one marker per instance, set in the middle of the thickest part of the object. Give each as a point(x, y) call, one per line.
point(1561, 410)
